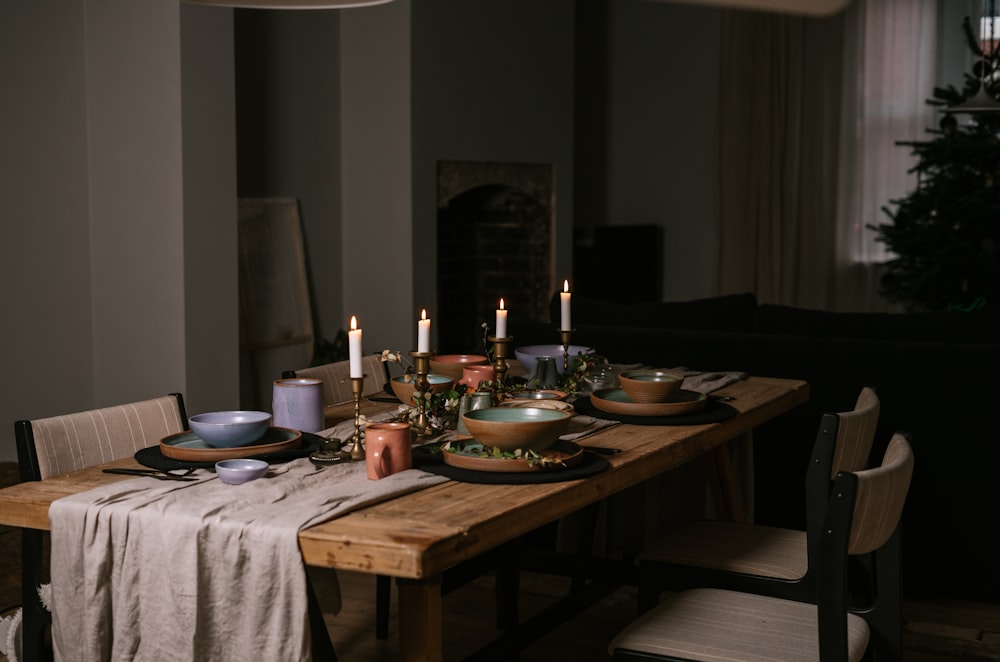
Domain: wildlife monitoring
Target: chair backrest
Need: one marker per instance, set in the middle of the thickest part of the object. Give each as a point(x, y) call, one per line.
point(863, 516)
point(336, 378)
point(50, 446)
point(843, 443)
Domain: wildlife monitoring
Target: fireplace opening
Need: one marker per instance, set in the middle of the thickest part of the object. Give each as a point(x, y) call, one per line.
point(495, 228)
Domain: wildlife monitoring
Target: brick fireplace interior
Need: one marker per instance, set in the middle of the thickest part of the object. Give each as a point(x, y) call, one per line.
point(495, 229)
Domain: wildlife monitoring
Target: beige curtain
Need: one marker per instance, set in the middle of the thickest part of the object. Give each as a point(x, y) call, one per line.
point(810, 111)
point(779, 115)
point(890, 61)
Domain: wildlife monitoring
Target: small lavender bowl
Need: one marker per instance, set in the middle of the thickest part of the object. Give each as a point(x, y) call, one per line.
point(240, 470)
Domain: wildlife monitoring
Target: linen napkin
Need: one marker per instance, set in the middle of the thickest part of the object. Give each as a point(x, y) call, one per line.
point(581, 426)
point(707, 382)
point(157, 570)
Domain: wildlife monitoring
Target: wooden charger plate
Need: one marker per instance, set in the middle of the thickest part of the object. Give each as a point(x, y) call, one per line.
point(615, 401)
point(562, 455)
point(189, 447)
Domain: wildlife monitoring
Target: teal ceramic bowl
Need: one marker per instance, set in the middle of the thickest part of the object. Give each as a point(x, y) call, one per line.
point(404, 385)
point(511, 428)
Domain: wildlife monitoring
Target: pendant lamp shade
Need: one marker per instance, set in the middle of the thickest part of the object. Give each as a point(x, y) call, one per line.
point(290, 4)
point(980, 102)
point(797, 7)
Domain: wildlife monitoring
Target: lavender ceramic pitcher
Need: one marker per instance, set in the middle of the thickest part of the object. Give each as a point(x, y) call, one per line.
point(298, 404)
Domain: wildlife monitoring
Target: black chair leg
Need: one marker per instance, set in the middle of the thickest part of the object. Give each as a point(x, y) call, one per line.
point(383, 589)
point(322, 647)
point(34, 616)
point(649, 592)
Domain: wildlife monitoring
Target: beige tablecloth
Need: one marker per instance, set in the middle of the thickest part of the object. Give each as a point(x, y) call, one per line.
point(156, 570)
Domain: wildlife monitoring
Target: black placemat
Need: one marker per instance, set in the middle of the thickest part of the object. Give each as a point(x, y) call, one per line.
point(154, 457)
point(430, 461)
point(713, 412)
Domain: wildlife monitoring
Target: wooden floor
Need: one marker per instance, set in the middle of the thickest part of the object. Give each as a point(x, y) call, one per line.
point(934, 631)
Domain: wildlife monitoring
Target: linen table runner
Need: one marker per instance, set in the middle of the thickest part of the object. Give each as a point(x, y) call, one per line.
point(157, 570)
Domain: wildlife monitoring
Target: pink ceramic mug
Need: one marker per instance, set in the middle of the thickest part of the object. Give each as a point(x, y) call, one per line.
point(388, 449)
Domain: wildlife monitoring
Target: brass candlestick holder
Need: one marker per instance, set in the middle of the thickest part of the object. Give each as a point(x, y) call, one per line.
point(357, 451)
point(421, 364)
point(566, 337)
point(500, 356)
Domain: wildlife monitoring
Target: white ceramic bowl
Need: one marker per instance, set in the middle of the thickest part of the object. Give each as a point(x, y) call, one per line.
point(230, 429)
point(240, 470)
point(527, 356)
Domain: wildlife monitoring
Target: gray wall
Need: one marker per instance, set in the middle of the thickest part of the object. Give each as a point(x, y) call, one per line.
point(118, 243)
point(662, 152)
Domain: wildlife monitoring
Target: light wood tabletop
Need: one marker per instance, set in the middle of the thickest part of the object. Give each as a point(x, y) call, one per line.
point(419, 535)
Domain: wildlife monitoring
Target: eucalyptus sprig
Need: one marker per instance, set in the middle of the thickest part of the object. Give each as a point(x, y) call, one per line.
point(475, 449)
point(579, 372)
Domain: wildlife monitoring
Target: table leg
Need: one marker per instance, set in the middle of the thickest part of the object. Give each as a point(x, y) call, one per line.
point(731, 479)
point(420, 628)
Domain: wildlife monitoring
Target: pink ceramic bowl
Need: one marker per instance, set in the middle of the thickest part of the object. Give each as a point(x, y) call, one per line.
point(473, 374)
point(452, 364)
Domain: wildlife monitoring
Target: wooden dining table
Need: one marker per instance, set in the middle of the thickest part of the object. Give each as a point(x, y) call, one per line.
point(418, 536)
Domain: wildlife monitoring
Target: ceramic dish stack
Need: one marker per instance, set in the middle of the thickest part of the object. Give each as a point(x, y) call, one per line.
point(514, 439)
point(649, 393)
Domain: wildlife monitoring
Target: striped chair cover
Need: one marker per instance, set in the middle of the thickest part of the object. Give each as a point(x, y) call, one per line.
point(336, 378)
point(75, 441)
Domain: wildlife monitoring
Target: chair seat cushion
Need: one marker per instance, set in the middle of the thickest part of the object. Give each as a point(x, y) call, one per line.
point(734, 547)
point(715, 625)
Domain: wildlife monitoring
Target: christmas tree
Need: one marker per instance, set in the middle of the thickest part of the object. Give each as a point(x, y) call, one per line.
point(944, 235)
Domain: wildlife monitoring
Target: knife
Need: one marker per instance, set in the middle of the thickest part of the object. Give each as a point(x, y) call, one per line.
point(151, 473)
point(602, 450)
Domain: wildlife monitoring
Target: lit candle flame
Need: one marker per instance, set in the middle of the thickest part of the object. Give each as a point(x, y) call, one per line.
point(565, 286)
point(354, 323)
point(423, 313)
point(501, 303)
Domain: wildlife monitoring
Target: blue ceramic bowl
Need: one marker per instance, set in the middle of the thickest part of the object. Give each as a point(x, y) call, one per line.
point(240, 470)
point(527, 356)
point(230, 429)
point(510, 428)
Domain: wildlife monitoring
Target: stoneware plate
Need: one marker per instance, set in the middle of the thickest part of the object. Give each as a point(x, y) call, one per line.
point(564, 454)
point(188, 447)
point(615, 401)
point(543, 394)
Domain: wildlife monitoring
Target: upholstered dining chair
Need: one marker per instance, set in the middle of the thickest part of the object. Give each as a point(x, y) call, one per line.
point(51, 446)
point(762, 559)
point(336, 378)
point(861, 517)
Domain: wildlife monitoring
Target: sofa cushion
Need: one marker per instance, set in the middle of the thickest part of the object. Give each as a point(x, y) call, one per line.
point(732, 312)
point(976, 327)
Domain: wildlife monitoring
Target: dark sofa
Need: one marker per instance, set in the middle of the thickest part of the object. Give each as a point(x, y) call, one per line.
point(936, 376)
